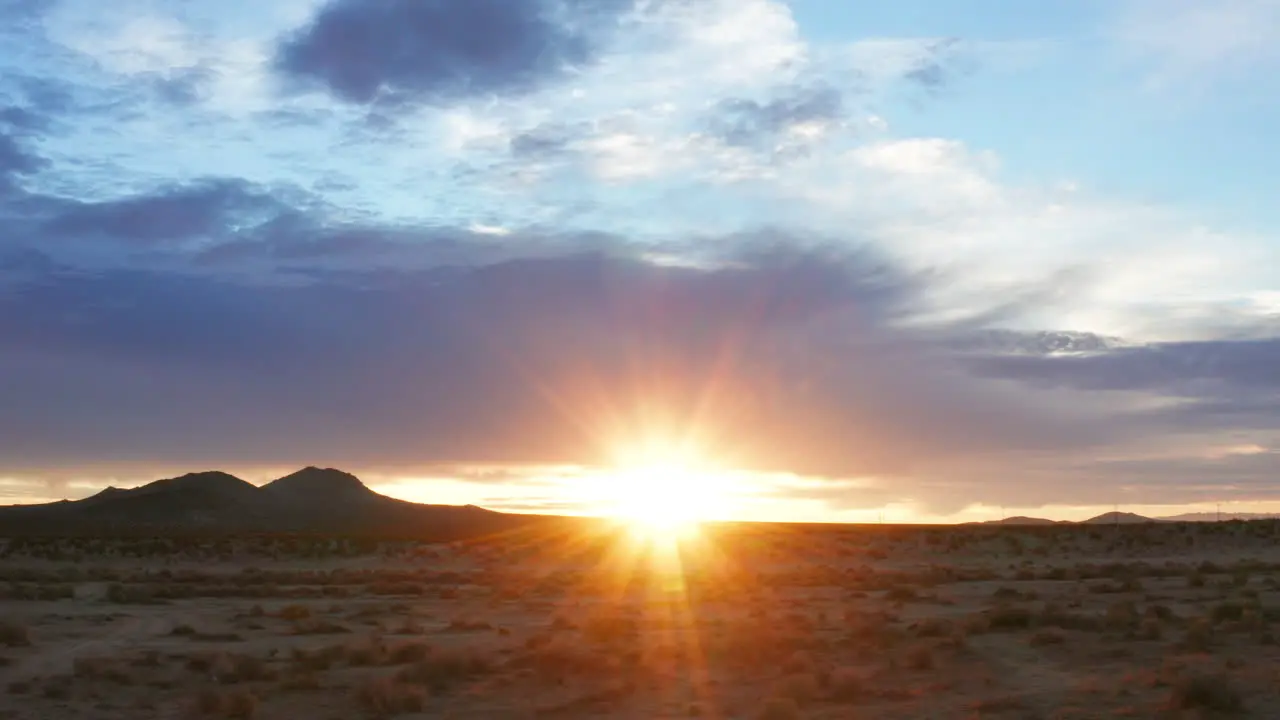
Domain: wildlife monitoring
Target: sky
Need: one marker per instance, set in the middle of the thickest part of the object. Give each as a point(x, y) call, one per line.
point(921, 261)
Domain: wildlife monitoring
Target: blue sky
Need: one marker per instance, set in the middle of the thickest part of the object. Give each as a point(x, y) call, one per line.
point(932, 256)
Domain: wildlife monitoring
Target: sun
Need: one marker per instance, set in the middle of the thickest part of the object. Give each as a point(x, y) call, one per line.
point(664, 494)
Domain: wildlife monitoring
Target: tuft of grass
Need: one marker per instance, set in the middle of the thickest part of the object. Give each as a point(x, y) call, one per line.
point(799, 687)
point(919, 657)
point(366, 653)
point(101, 668)
point(1047, 636)
point(231, 669)
point(1198, 637)
point(294, 612)
point(14, 635)
point(1008, 617)
point(1227, 612)
point(236, 704)
point(1206, 692)
point(19, 687)
point(441, 670)
point(846, 685)
point(779, 708)
point(390, 696)
point(405, 653)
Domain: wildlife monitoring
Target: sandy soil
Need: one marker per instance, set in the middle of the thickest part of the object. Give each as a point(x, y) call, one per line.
point(770, 622)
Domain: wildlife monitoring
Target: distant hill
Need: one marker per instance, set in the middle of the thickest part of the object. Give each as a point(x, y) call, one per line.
point(310, 501)
point(1021, 520)
point(1214, 517)
point(1119, 518)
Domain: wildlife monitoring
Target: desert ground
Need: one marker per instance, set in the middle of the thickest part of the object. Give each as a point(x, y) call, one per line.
point(588, 621)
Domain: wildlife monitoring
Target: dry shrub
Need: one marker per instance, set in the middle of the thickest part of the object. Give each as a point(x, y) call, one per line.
point(779, 708)
point(799, 662)
point(1227, 612)
point(368, 652)
point(390, 696)
point(230, 669)
point(464, 625)
point(294, 612)
point(101, 668)
point(1047, 636)
point(608, 630)
point(301, 680)
point(441, 670)
point(319, 626)
point(1206, 692)
point(317, 660)
point(934, 627)
point(919, 657)
point(996, 705)
point(13, 634)
point(408, 653)
point(901, 594)
point(19, 687)
point(846, 685)
point(1150, 629)
point(238, 704)
point(408, 626)
point(1008, 617)
point(798, 687)
point(57, 688)
point(1198, 637)
point(1121, 616)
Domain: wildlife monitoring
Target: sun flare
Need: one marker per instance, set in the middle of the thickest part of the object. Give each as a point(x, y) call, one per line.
point(665, 495)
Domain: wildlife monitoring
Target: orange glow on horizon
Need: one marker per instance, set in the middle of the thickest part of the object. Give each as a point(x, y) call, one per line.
point(662, 492)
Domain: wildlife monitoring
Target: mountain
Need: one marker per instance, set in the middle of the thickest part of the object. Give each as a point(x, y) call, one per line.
point(1021, 520)
point(1119, 518)
point(327, 484)
point(310, 501)
point(1214, 517)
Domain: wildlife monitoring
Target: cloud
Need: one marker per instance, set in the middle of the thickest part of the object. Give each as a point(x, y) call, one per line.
point(1189, 40)
point(1170, 368)
point(187, 212)
point(394, 51)
point(776, 355)
point(801, 110)
point(16, 160)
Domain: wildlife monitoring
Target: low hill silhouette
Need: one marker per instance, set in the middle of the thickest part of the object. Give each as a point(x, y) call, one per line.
point(1021, 520)
point(1119, 518)
point(1215, 517)
point(310, 501)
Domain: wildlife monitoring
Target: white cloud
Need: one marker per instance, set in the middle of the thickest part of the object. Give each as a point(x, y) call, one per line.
point(1201, 38)
point(150, 40)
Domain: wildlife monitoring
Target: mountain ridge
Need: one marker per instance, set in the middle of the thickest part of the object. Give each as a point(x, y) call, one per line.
point(312, 500)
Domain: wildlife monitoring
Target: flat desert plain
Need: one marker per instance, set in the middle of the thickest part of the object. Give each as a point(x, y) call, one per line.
point(586, 621)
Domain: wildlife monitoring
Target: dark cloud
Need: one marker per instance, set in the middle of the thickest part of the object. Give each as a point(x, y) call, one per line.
point(203, 209)
point(747, 122)
point(1186, 368)
point(778, 358)
point(1001, 343)
point(938, 66)
point(21, 119)
point(547, 140)
point(16, 159)
point(186, 86)
point(393, 51)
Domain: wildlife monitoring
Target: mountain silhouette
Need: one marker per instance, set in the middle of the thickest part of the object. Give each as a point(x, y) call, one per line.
point(310, 501)
point(318, 488)
point(1021, 520)
point(1216, 517)
point(1119, 518)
